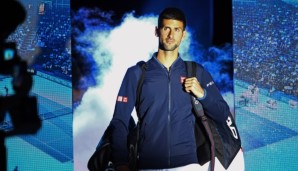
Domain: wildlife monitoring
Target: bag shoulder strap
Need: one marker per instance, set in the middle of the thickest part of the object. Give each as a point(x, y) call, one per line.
point(191, 69)
point(142, 65)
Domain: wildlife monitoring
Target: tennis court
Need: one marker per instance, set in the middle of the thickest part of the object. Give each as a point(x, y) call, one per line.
point(269, 135)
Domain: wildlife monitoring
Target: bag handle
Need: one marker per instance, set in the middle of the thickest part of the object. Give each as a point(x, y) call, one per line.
point(133, 163)
point(199, 112)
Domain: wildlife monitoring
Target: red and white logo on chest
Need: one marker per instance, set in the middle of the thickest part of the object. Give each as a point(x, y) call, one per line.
point(182, 79)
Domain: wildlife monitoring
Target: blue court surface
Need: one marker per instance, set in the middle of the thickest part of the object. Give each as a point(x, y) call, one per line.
point(51, 148)
point(269, 135)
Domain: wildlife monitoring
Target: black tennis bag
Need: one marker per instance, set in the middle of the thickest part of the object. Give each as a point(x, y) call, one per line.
point(101, 159)
point(225, 137)
point(213, 139)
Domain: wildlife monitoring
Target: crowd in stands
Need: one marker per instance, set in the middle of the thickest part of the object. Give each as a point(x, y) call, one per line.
point(265, 44)
point(48, 33)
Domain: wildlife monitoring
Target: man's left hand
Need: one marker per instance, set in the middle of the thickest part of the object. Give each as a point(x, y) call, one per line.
point(192, 85)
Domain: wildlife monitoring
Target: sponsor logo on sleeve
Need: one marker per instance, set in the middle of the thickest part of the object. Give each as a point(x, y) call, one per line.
point(123, 99)
point(119, 98)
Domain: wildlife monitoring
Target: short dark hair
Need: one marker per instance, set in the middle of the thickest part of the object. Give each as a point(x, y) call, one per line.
point(172, 13)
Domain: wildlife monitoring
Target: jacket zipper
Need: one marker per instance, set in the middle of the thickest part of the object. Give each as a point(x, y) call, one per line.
point(169, 117)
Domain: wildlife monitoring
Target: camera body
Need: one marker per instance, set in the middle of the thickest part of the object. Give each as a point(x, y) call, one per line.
point(21, 106)
point(12, 65)
point(10, 62)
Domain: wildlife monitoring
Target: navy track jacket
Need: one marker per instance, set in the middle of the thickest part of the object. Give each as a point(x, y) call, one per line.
point(167, 137)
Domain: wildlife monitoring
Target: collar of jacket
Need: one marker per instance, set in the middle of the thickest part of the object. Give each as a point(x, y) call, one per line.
point(153, 63)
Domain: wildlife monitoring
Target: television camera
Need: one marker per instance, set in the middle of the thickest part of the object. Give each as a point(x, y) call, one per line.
point(20, 106)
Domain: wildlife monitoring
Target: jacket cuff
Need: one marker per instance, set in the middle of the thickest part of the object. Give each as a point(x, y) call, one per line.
point(205, 94)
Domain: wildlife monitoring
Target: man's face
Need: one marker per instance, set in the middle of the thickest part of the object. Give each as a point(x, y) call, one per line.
point(170, 34)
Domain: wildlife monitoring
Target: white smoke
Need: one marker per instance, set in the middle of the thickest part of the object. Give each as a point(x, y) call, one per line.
point(124, 46)
point(117, 49)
